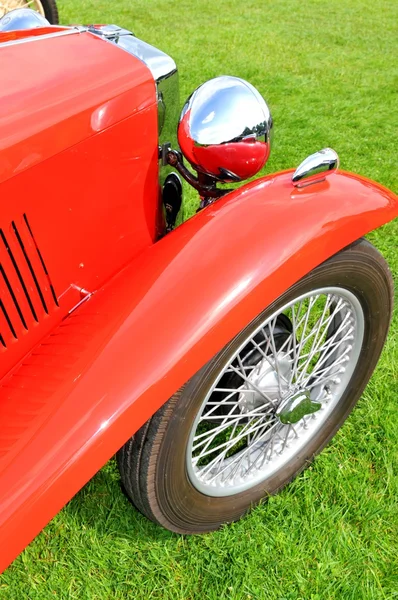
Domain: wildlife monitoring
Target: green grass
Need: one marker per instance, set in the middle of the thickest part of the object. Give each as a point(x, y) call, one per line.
point(329, 72)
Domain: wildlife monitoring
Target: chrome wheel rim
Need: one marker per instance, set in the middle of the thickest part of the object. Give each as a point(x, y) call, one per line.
point(303, 355)
point(8, 5)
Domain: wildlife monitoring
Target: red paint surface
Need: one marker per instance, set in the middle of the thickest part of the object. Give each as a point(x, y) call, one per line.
point(24, 34)
point(78, 157)
point(45, 110)
point(104, 371)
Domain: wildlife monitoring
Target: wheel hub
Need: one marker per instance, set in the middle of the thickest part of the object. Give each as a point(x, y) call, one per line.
point(264, 378)
point(272, 377)
point(296, 406)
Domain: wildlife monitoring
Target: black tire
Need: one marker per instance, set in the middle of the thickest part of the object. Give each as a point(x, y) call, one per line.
point(51, 11)
point(152, 463)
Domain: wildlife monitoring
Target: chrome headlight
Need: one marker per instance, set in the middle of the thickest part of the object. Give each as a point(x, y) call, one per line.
point(22, 18)
point(225, 129)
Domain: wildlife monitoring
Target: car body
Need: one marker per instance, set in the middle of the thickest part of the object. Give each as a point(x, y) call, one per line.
point(91, 276)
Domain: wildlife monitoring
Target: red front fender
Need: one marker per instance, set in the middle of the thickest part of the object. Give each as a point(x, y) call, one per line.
point(108, 367)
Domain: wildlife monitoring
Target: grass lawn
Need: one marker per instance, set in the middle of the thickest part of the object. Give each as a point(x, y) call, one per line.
point(329, 71)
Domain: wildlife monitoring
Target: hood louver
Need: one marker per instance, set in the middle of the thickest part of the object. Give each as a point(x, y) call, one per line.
point(26, 292)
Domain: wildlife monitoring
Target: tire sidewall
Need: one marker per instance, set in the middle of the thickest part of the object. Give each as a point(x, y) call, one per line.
point(50, 11)
point(180, 500)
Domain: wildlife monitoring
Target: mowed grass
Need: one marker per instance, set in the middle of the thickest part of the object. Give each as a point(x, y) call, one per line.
point(329, 72)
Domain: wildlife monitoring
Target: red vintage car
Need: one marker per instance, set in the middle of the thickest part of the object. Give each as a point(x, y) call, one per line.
point(216, 358)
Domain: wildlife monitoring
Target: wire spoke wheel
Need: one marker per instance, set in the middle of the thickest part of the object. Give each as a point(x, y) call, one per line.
point(265, 405)
point(245, 429)
point(8, 5)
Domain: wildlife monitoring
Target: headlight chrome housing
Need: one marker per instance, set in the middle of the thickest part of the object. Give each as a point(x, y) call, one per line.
point(225, 129)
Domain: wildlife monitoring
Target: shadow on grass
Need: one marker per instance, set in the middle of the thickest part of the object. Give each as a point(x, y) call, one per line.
point(103, 507)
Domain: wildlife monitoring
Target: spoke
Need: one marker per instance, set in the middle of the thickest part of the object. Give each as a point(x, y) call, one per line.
point(219, 403)
point(226, 446)
point(243, 371)
point(227, 422)
point(269, 341)
point(244, 367)
point(311, 304)
point(224, 401)
point(231, 435)
point(262, 352)
point(261, 455)
point(206, 452)
point(299, 320)
point(211, 465)
point(308, 337)
point(318, 341)
point(238, 416)
point(289, 428)
point(340, 360)
point(220, 457)
point(231, 390)
point(254, 386)
point(239, 457)
point(294, 336)
point(317, 329)
point(275, 353)
point(330, 344)
point(287, 343)
point(270, 444)
point(322, 381)
point(213, 432)
point(251, 352)
point(305, 340)
point(327, 353)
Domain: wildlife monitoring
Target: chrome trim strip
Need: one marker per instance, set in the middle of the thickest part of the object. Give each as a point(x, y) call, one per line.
point(160, 64)
point(46, 36)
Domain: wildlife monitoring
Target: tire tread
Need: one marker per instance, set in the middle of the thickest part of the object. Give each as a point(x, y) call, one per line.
point(144, 461)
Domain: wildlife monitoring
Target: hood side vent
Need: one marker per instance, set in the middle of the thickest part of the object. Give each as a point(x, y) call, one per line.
point(26, 292)
point(41, 261)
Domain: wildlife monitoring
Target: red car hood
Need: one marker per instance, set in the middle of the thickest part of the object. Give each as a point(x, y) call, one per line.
point(59, 87)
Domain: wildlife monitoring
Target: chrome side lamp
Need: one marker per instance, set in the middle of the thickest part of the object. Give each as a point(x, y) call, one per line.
point(316, 168)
